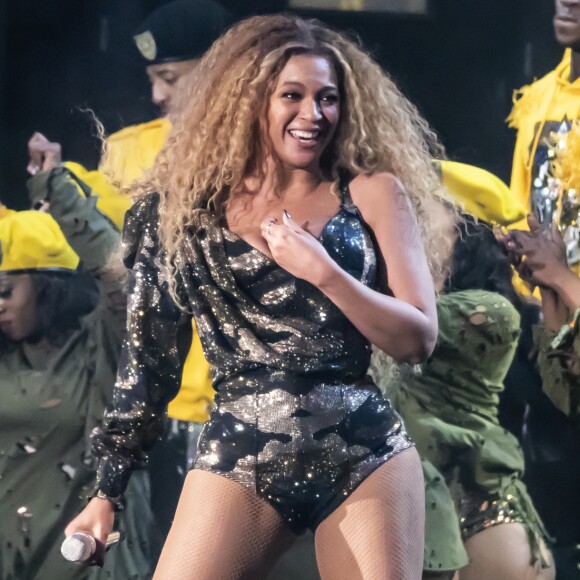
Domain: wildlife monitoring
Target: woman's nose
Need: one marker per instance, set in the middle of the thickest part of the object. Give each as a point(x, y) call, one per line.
point(310, 110)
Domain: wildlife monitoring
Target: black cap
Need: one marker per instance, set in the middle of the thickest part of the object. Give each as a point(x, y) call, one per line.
point(181, 30)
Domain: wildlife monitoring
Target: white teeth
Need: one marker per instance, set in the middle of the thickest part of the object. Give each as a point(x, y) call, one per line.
point(304, 134)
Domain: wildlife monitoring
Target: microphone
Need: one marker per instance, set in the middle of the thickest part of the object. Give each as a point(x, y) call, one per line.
point(81, 547)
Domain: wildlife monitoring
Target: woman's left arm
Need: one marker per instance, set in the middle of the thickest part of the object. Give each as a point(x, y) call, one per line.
point(403, 325)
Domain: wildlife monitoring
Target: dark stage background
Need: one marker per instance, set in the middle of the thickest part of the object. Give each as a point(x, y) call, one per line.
point(459, 64)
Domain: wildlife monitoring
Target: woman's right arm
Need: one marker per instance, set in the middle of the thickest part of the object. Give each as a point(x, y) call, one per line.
point(149, 376)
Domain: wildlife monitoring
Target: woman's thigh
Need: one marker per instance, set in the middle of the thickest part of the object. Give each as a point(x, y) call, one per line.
point(503, 553)
point(377, 533)
point(221, 530)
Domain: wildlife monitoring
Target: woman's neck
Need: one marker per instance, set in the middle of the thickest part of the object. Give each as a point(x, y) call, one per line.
point(38, 353)
point(300, 180)
point(42, 343)
point(289, 181)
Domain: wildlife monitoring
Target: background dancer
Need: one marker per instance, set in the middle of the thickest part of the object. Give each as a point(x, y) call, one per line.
point(171, 42)
point(60, 335)
point(480, 518)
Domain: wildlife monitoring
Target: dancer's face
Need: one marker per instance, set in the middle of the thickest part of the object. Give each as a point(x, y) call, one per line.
point(304, 111)
point(17, 306)
point(567, 23)
point(166, 79)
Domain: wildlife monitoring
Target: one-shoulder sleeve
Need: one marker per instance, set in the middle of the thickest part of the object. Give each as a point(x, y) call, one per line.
point(151, 362)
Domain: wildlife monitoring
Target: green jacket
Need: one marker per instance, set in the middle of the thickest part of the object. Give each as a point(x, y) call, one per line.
point(52, 399)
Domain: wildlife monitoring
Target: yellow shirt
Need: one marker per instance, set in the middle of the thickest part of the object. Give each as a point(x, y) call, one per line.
point(130, 152)
point(547, 105)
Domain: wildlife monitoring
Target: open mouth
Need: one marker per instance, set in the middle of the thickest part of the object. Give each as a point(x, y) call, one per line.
point(305, 137)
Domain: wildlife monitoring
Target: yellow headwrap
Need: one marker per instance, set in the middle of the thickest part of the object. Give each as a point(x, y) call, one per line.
point(480, 193)
point(32, 240)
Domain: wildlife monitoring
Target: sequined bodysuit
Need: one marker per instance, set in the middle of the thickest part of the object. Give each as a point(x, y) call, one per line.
point(296, 418)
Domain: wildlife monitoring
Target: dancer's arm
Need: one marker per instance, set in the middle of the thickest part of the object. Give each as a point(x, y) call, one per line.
point(559, 365)
point(542, 261)
point(92, 236)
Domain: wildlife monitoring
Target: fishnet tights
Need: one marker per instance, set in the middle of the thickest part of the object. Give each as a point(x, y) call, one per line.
point(223, 531)
point(378, 532)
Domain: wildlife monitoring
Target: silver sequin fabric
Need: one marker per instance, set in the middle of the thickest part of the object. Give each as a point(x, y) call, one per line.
point(295, 418)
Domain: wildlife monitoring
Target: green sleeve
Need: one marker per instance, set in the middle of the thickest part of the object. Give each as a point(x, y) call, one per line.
point(95, 239)
point(91, 234)
point(559, 365)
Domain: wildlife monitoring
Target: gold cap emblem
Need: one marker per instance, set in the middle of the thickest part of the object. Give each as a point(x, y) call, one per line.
point(146, 45)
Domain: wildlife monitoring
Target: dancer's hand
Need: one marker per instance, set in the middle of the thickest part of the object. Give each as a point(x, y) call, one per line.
point(97, 520)
point(540, 260)
point(297, 250)
point(44, 155)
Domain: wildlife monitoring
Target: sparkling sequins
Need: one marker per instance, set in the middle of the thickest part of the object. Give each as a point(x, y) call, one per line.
point(479, 513)
point(295, 419)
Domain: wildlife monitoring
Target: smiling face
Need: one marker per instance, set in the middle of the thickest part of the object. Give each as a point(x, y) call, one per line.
point(166, 79)
point(18, 320)
point(567, 23)
point(304, 111)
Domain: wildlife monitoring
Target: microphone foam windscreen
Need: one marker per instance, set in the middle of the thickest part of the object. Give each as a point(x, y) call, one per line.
point(77, 548)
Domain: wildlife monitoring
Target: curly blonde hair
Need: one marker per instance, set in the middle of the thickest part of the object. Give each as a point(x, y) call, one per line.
point(217, 141)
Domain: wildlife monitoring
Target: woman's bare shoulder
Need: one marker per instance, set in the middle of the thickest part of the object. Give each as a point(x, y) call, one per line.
point(379, 196)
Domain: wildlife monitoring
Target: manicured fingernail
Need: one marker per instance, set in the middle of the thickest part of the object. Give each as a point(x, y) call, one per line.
point(287, 215)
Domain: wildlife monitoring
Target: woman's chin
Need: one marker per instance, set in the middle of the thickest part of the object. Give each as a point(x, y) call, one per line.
point(304, 160)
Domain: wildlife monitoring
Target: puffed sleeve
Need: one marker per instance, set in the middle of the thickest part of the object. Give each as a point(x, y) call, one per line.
point(151, 361)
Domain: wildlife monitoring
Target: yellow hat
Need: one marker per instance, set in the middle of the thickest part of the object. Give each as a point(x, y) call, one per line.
point(109, 201)
point(480, 193)
point(32, 240)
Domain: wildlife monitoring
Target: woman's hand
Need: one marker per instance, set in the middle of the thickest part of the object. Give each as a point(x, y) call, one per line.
point(297, 251)
point(96, 520)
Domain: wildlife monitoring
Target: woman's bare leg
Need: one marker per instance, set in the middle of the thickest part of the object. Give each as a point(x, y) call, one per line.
point(503, 553)
point(378, 532)
point(221, 531)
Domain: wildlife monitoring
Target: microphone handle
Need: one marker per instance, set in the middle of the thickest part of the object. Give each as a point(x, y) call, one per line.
point(112, 539)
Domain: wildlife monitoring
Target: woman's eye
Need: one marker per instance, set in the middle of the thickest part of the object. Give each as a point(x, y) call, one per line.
point(329, 98)
point(291, 96)
point(6, 293)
